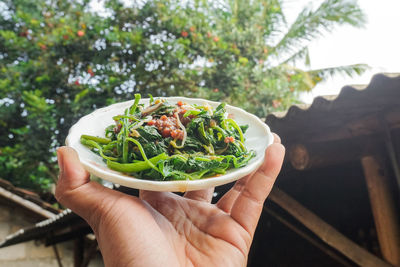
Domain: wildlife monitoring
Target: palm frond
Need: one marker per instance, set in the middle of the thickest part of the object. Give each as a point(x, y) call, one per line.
point(265, 13)
point(303, 54)
point(348, 70)
point(312, 24)
point(273, 16)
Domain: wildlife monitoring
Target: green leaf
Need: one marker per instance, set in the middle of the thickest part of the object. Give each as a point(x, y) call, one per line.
point(348, 70)
point(20, 131)
point(35, 101)
point(80, 95)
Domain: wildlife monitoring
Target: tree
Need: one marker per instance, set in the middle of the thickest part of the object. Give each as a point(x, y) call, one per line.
point(60, 60)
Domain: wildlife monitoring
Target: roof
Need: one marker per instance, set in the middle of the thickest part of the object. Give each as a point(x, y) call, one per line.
point(26, 199)
point(45, 229)
point(356, 110)
point(64, 226)
point(31, 202)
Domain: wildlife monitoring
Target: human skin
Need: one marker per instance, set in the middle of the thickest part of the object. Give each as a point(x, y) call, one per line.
point(164, 229)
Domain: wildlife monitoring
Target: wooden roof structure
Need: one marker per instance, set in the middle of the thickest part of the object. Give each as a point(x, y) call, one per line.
point(358, 110)
point(29, 201)
point(52, 225)
point(361, 124)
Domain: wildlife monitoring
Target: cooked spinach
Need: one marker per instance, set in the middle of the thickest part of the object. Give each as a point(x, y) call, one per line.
point(149, 133)
point(167, 141)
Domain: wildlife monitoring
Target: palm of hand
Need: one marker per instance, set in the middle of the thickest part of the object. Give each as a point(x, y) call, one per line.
point(180, 232)
point(199, 233)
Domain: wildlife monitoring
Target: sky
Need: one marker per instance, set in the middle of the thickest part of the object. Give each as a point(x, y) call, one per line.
point(378, 45)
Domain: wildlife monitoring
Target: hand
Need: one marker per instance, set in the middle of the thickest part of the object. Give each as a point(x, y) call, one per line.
point(164, 229)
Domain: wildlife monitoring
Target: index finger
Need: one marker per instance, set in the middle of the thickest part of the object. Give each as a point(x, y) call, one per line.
point(226, 202)
point(248, 206)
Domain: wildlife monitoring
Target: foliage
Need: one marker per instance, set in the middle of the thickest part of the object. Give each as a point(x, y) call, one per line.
point(60, 60)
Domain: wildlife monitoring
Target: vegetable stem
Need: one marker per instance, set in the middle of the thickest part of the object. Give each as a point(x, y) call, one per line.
point(137, 166)
point(97, 139)
point(91, 143)
point(143, 153)
point(135, 104)
point(236, 126)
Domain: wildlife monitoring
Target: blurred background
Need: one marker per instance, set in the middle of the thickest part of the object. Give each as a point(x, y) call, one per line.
point(60, 60)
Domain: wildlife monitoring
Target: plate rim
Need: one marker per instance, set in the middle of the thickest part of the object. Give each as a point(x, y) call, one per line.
point(174, 186)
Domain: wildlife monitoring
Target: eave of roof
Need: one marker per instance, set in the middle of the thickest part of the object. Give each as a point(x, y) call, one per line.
point(26, 199)
point(335, 117)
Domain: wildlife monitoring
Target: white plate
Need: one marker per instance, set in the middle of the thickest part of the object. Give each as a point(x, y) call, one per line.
point(258, 138)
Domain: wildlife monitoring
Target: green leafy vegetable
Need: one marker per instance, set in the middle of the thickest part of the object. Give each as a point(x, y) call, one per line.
point(167, 141)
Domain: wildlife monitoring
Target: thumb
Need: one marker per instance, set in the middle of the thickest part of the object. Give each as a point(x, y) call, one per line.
point(72, 174)
point(75, 190)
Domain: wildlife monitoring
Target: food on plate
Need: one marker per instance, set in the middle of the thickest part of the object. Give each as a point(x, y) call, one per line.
point(172, 141)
